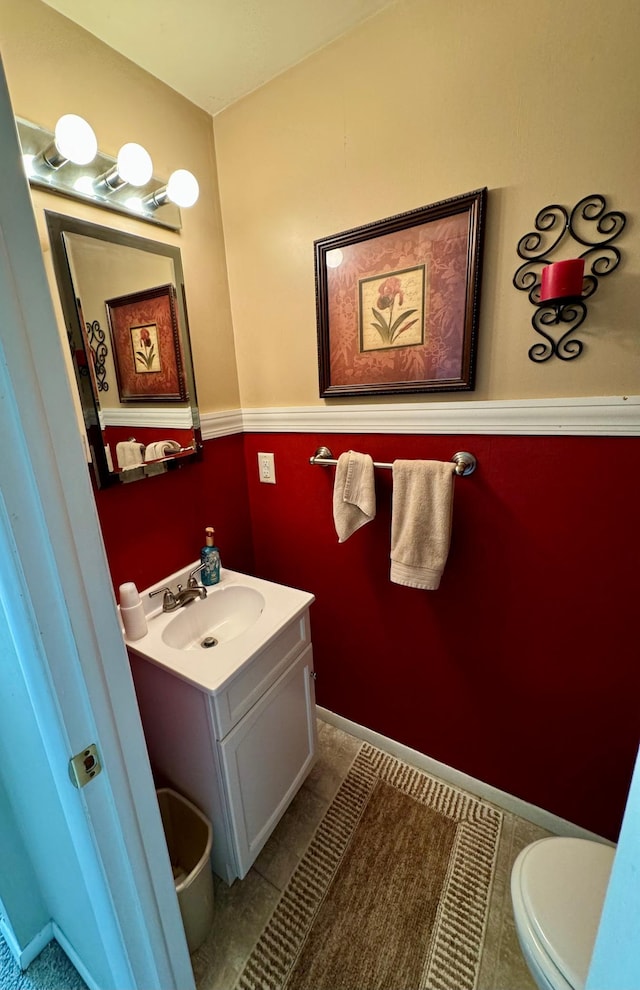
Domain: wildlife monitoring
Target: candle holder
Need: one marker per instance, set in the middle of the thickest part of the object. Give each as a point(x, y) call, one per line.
point(590, 226)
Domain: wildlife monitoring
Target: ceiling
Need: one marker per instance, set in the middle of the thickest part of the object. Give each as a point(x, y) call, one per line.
point(216, 51)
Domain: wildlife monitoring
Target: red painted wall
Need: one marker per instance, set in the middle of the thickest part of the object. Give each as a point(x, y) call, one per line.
point(522, 670)
point(155, 526)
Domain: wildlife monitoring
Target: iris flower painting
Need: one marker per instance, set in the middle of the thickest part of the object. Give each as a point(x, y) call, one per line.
point(144, 341)
point(147, 349)
point(398, 301)
point(392, 309)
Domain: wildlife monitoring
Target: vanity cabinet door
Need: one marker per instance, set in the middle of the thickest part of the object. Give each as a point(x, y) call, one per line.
point(266, 757)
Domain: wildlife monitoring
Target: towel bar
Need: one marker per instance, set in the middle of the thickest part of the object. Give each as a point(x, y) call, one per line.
point(465, 463)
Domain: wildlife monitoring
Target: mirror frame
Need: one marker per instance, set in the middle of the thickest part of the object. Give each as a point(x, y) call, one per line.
point(57, 226)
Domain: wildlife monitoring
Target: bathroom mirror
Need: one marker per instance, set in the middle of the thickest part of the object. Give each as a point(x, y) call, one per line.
point(125, 314)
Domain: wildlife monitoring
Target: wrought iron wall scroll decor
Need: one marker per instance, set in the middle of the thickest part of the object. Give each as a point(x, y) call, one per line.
point(96, 337)
point(591, 227)
point(98, 351)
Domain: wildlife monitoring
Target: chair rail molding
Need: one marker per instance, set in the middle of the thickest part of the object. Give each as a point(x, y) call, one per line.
point(180, 419)
point(220, 423)
point(617, 415)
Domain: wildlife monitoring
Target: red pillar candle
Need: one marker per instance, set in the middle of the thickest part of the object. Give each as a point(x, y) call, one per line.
point(562, 279)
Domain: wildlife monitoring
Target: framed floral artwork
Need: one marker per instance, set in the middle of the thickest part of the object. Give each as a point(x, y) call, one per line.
point(398, 301)
point(146, 346)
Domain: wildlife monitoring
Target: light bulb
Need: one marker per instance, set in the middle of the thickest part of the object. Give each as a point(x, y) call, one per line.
point(134, 203)
point(182, 188)
point(27, 164)
point(75, 140)
point(134, 164)
point(84, 185)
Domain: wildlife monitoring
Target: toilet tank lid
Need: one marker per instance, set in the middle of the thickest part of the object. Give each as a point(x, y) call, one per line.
point(563, 884)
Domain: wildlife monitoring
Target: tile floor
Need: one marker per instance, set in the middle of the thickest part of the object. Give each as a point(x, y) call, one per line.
point(242, 910)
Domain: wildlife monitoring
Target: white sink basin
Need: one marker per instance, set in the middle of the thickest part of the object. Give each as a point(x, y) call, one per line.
point(209, 640)
point(205, 623)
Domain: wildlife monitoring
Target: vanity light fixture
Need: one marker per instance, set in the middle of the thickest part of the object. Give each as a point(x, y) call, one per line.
point(96, 178)
point(181, 189)
point(73, 141)
point(559, 289)
point(133, 167)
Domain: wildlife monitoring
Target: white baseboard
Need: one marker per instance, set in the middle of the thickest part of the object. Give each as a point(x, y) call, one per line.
point(72, 955)
point(508, 802)
point(25, 955)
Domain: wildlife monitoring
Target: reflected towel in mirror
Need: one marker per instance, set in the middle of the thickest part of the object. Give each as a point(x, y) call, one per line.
point(129, 454)
point(161, 448)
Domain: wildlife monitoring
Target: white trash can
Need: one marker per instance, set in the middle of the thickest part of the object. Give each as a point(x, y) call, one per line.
point(189, 836)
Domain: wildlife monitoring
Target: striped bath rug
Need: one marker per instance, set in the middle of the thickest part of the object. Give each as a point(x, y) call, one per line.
point(392, 893)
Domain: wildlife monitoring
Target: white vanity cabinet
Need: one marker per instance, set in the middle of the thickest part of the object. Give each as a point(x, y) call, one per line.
point(266, 757)
point(239, 753)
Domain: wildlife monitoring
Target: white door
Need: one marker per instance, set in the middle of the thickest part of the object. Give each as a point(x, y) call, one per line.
point(615, 963)
point(67, 652)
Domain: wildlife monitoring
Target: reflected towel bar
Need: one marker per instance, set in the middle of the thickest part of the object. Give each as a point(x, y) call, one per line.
point(465, 463)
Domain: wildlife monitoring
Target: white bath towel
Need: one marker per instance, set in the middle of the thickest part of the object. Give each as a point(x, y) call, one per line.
point(161, 448)
point(354, 496)
point(129, 454)
point(421, 522)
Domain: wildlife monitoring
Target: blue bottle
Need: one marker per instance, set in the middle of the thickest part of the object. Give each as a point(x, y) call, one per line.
point(210, 557)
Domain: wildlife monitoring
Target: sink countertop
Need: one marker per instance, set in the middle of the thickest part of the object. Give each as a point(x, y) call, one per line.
point(211, 670)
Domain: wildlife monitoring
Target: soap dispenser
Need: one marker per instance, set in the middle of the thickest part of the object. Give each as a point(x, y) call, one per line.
point(210, 557)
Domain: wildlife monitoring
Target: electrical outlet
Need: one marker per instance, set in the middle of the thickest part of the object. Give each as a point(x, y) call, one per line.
point(267, 469)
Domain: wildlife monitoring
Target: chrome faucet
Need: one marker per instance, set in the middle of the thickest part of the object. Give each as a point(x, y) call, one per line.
point(185, 595)
point(192, 583)
point(182, 596)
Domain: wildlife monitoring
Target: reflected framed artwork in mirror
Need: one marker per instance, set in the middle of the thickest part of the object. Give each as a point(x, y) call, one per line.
point(146, 346)
point(125, 316)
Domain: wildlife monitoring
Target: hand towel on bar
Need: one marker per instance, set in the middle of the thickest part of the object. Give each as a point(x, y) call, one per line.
point(421, 522)
point(354, 496)
point(129, 454)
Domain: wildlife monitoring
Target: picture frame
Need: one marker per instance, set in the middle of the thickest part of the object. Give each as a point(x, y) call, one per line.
point(398, 301)
point(145, 340)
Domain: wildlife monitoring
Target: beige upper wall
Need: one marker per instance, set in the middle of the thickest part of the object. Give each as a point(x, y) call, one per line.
point(54, 67)
point(426, 101)
point(423, 102)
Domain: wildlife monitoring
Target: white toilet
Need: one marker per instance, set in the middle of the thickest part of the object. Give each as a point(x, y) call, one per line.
point(557, 889)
